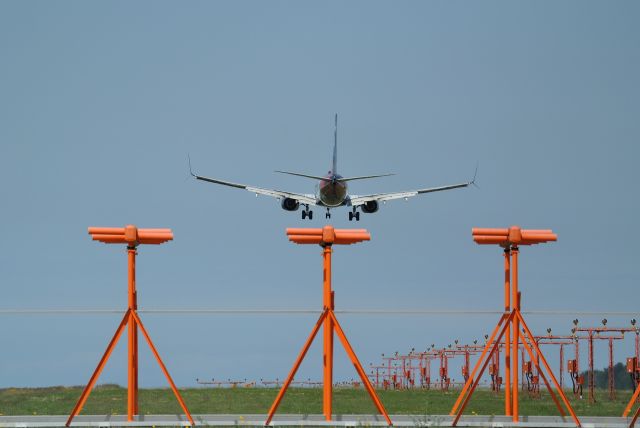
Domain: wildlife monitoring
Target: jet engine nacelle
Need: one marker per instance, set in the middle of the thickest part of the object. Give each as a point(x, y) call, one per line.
point(290, 204)
point(370, 207)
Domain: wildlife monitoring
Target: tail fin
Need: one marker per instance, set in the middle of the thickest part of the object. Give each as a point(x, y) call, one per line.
point(334, 169)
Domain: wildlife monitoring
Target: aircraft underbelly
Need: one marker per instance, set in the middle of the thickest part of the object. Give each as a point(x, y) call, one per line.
point(333, 194)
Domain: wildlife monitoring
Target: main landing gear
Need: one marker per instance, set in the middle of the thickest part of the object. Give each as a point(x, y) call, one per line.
point(307, 213)
point(328, 214)
point(354, 214)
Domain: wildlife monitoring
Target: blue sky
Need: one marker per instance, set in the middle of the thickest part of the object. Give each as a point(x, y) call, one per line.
point(101, 102)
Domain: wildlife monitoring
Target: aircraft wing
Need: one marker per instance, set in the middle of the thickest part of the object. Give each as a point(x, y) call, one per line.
point(278, 194)
point(382, 197)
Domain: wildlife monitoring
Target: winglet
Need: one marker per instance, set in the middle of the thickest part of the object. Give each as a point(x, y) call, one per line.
point(473, 181)
point(190, 170)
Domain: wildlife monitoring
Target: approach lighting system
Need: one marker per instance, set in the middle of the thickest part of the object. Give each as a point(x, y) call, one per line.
point(509, 326)
point(132, 237)
point(326, 238)
point(513, 236)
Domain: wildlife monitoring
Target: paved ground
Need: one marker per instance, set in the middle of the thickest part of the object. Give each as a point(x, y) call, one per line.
point(310, 420)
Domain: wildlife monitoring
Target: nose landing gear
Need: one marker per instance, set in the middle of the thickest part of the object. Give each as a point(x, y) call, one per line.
point(328, 214)
point(354, 214)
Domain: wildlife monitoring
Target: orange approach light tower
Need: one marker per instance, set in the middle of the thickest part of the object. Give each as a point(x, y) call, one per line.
point(509, 326)
point(632, 368)
point(132, 237)
point(326, 238)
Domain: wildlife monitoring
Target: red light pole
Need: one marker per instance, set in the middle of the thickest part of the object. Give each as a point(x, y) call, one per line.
point(326, 238)
point(376, 376)
point(561, 341)
point(601, 333)
point(402, 371)
point(424, 365)
point(392, 371)
point(467, 351)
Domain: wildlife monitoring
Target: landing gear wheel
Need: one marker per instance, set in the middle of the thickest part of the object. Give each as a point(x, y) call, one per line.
point(350, 216)
point(357, 216)
point(310, 214)
point(304, 214)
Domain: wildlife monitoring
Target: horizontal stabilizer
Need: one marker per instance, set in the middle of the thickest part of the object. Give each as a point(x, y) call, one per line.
point(315, 177)
point(363, 177)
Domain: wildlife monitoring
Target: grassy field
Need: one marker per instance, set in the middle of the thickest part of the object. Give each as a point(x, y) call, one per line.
point(111, 399)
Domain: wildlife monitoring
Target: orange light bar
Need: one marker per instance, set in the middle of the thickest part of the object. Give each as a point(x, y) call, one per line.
point(493, 232)
point(130, 235)
point(513, 236)
point(328, 236)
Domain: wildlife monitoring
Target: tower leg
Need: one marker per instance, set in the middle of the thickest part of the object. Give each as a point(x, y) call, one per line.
point(162, 367)
point(132, 349)
point(633, 400)
point(536, 361)
point(472, 376)
point(132, 384)
point(136, 410)
point(514, 344)
point(327, 390)
point(507, 334)
point(635, 418)
point(96, 374)
point(295, 367)
point(546, 366)
point(359, 369)
point(327, 350)
point(495, 344)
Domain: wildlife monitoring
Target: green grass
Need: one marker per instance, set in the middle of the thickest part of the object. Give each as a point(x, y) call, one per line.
point(112, 399)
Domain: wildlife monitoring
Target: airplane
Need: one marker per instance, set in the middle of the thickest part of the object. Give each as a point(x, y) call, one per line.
point(332, 190)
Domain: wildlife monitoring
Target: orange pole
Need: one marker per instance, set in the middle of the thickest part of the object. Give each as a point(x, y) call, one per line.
point(514, 345)
point(633, 400)
point(546, 366)
point(295, 367)
point(472, 377)
point(132, 390)
point(96, 374)
point(507, 333)
point(359, 369)
point(327, 357)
